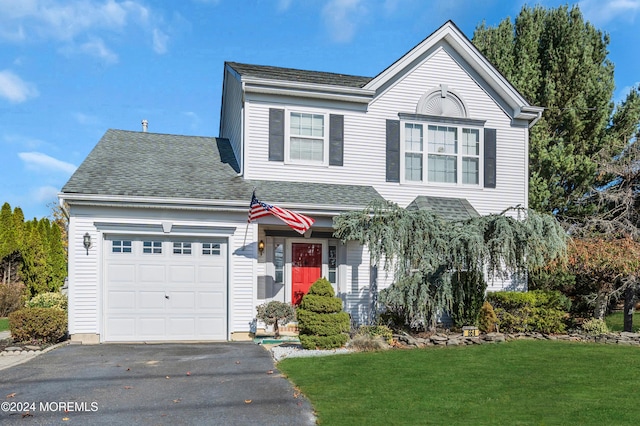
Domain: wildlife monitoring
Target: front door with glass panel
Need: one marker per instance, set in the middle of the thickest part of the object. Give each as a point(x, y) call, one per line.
point(306, 268)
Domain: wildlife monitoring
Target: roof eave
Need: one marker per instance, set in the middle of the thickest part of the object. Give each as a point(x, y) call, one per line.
point(299, 89)
point(99, 200)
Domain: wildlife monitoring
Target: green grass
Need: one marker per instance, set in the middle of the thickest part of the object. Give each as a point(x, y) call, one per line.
point(4, 324)
point(514, 383)
point(615, 321)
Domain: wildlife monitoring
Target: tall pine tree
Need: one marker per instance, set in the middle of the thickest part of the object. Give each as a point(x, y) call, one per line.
point(558, 61)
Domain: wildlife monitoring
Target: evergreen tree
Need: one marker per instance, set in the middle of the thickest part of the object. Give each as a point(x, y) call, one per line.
point(423, 251)
point(34, 267)
point(57, 259)
point(558, 61)
point(10, 254)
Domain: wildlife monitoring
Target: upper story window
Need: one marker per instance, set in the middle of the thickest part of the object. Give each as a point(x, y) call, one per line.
point(441, 153)
point(307, 142)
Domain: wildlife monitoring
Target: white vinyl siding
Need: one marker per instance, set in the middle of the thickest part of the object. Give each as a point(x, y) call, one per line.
point(365, 144)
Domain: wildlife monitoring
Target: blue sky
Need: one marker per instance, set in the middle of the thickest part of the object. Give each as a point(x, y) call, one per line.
point(71, 69)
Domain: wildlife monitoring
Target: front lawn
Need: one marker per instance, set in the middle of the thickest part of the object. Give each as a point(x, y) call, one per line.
point(615, 321)
point(4, 324)
point(522, 382)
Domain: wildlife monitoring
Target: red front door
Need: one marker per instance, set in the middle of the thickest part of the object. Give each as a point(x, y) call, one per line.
point(306, 268)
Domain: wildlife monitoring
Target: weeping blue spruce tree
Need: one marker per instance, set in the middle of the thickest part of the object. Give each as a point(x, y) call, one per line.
point(427, 254)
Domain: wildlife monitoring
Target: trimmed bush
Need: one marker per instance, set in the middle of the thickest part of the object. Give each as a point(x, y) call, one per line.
point(595, 327)
point(41, 325)
point(321, 304)
point(48, 300)
point(12, 297)
point(321, 322)
point(541, 311)
point(376, 331)
point(487, 318)
point(323, 342)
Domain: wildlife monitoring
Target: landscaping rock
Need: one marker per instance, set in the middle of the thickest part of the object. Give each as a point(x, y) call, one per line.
point(12, 348)
point(453, 342)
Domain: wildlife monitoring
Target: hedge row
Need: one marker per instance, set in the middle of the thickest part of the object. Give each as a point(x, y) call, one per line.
point(537, 310)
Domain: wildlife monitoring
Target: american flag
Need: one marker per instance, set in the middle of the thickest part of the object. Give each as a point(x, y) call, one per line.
point(296, 221)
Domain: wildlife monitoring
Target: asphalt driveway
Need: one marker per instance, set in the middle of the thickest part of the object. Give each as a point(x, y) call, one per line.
point(154, 384)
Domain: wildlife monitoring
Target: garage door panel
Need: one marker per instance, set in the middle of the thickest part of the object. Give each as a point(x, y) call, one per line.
point(121, 273)
point(182, 274)
point(121, 328)
point(151, 300)
point(151, 273)
point(121, 300)
point(210, 327)
point(150, 326)
point(214, 300)
point(182, 300)
point(182, 327)
point(211, 274)
point(166, 296)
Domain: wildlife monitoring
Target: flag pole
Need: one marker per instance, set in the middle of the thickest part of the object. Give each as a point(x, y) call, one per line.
point(249, 219)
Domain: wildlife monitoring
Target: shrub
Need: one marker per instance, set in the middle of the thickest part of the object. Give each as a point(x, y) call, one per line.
point(321, 322)
point(42, 325)
point(275, 313)
point(317, 303)
point(487, 318)
point(48, 300)
point(595, 327)
point(11, 297)
point(376, 331)
point(368, 343)
point(541, 311)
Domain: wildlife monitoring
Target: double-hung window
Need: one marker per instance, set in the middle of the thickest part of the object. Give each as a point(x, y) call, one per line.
point(441, 153)
point(307, 138)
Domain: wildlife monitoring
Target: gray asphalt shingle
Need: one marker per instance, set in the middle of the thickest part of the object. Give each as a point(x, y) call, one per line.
point(145, 164)
point(302, 76)
point(448, 208)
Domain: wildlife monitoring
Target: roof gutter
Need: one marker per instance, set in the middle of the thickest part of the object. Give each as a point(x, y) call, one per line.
point(192, 204)
point(320, 91)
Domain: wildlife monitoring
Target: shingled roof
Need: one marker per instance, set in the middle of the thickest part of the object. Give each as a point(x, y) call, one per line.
point(141, 164)
point(302, 76)
point(448, 208)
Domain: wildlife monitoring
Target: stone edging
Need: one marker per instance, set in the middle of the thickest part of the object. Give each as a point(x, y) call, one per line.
point(441, 339)
point(9, 351)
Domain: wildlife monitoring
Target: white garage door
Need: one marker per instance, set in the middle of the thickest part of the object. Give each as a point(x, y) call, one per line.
point(161, 289)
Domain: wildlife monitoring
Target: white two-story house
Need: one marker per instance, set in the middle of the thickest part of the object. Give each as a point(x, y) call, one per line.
point(160, 248)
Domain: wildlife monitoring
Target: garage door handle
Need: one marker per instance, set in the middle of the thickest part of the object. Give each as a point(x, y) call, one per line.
point(166, 296)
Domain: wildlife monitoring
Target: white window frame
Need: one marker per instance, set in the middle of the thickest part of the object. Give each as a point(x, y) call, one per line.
point(288, 135)
point(425, 153)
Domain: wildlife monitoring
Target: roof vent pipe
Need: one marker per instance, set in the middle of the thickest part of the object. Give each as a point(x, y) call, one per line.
point(145, 125)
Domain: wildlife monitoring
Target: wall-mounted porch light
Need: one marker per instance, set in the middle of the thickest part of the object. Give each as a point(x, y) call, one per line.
point(86, 242)
point(261, 247)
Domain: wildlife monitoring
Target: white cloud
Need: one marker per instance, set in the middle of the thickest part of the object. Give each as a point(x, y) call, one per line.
point(621, 94)
point(160, 41)
point(342, 18)
point(45, 193)
point(600, 12)
point(15, 89)
point(73, 20)
point(85, 119)
point(97, 48)
point(43, 162)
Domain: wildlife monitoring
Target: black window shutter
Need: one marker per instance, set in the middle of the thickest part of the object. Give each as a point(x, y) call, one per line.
point(393, 151)
point(276, 134)
point(489, 158)
point(336, 139)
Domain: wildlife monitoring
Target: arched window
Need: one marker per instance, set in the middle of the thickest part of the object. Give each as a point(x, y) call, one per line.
point(441, 102)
